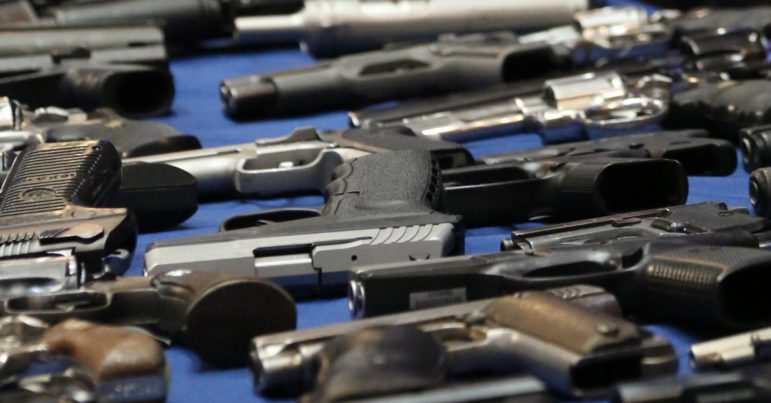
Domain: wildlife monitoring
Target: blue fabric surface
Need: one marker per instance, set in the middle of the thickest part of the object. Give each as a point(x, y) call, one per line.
point(197, 111)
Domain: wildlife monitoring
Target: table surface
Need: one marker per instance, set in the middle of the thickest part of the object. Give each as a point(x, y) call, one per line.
point(197, 111)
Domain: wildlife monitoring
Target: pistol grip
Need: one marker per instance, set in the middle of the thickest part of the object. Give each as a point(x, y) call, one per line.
point(724, 107)
point(378, 361)
point(110, 352)
point(403, 182)
point(50, 202)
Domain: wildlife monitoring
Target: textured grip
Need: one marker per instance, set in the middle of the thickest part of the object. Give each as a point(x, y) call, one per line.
point(550, 318)
point(110, 352)
point(397, 138)
point(48, 178)
point(714, 216)
point(712, 286)
point(377, 362)
point(724, 107)
point(402, 181)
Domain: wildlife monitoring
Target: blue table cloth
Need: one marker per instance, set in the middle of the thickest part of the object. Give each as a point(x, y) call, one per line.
point(197, 111)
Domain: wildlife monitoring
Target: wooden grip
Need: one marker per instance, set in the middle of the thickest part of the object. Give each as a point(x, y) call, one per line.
point(110, 352)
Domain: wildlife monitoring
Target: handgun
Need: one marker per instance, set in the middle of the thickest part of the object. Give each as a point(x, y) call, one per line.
point(399, 207)
point(698, 153)
point(732, 351)
point(160, 196)
point(378, 208)
point(681, 282)
point(517, 388)
point(51, 204)
point(402, 363)
point(455, 63)
point(215, 315)
point(332, 27)
point(79, 361)
point(573, 108)
point(122, 68)
point(755, 145)
point(724, 107)
point(746, 386)
point(184, 22)
point(760, 195)
point(614, 98)
point(303, 161)
point(20, 127)
point(575, 350)
point(693, 219)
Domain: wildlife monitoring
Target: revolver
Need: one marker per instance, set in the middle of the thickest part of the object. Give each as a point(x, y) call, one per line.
point(459, 63)
point(573, 108)
point(303, 161)
point(403, 363)
point(215, 315)
point(398, 207)
point(332, 27)
point(78, 361)
point(575, 350)
point(453, 64)
point(122, 68)
point(746, 386)
point(690, 282)
point(619, 96)
point(325, 27)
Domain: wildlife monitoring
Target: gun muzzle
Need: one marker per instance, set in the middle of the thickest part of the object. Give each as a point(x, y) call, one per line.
point(755, 144)
point(760, 198)
point(244, 96)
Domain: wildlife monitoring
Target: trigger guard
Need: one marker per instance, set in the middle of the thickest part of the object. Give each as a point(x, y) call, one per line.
point(261, 218)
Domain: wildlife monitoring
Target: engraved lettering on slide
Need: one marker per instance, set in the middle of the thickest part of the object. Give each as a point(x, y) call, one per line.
point(431, 299)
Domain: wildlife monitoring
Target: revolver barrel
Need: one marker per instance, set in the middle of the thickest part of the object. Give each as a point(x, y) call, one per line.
point(590, 105)
point(369, 26)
